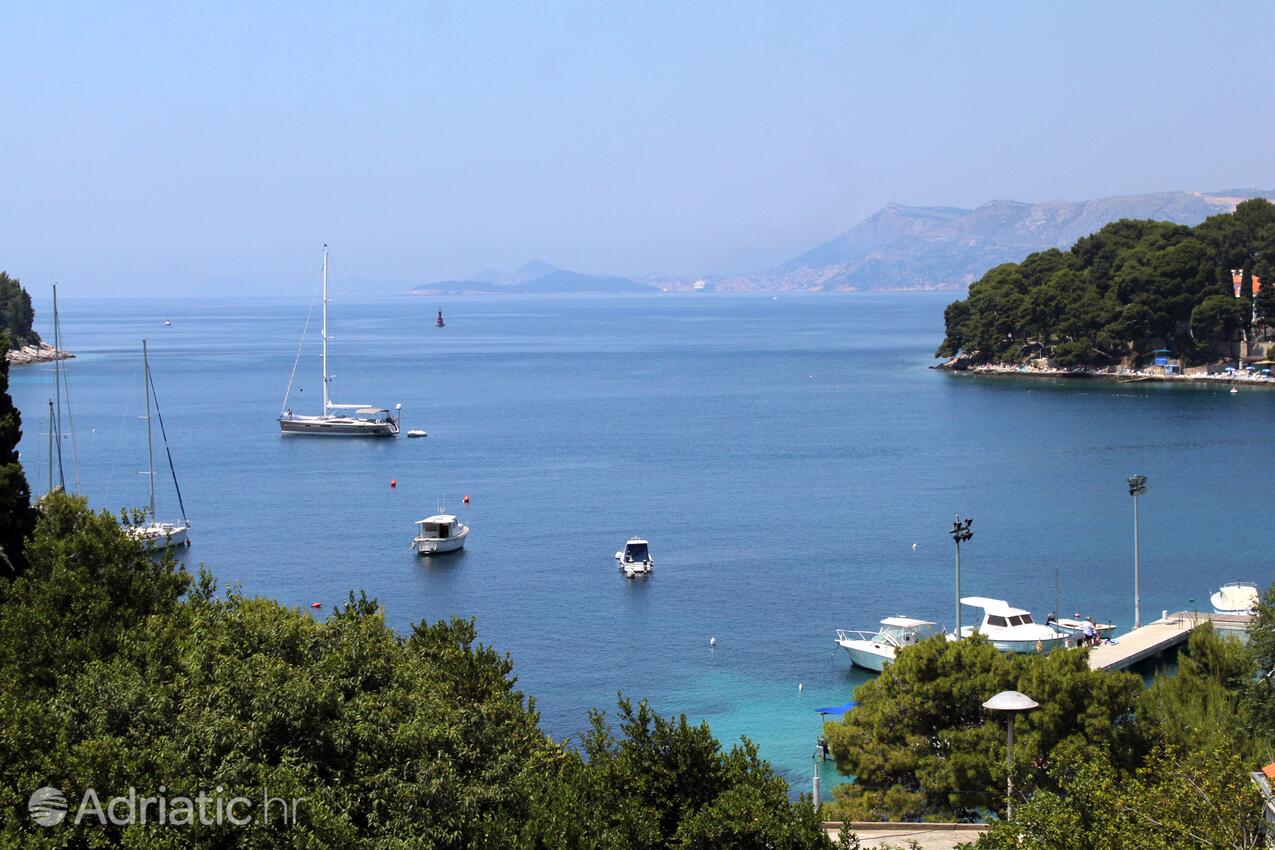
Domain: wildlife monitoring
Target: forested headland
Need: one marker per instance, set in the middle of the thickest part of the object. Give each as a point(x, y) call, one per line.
point(16, 313)
point(1118, 295)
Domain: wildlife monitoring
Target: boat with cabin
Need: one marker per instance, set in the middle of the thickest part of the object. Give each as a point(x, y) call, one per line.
point(1238, 597)
point(635, 558)
point(1012, 629)
point(439, 534)
point(336, 420)
point(873, 650)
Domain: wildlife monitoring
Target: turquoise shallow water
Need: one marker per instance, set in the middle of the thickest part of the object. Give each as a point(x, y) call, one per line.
point(781, 455)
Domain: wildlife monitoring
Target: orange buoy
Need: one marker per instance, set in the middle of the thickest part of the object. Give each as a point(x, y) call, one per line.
point(467, 500)
point(316, 604)
point(393, 483)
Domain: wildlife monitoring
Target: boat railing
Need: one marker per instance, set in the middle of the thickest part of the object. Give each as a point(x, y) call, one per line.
point(855, 634)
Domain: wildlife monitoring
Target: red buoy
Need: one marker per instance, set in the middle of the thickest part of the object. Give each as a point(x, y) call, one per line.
point(316, 604)
point(393, 482)
point(467, 500)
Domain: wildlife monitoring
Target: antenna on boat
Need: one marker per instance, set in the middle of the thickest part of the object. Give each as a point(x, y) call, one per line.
point(325, 330)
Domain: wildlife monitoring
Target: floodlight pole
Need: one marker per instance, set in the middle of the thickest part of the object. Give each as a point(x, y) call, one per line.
point(960, 533)
point(1137, 486)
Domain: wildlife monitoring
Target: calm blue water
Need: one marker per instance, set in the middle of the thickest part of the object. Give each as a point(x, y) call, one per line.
point(782, 457)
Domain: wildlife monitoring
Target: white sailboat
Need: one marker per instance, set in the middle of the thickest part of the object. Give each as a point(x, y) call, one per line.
point(156, 533)
point(362, 420)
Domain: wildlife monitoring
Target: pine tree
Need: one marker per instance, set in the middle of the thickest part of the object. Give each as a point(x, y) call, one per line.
point(17, 519)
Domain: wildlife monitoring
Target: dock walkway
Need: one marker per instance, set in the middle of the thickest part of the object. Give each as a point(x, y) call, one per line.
point(1154, 638)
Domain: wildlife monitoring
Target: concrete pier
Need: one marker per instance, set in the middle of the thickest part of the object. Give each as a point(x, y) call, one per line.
point(1154, 638)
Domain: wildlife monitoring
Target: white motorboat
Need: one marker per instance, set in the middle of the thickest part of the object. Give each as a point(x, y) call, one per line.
point(417, 432)
point(439, 534)
point(360, 420)
point(1238, 597)
point(636, 558)
point(1076, 627)
point(1011, 629)
point(873, 650)
point(156, 533)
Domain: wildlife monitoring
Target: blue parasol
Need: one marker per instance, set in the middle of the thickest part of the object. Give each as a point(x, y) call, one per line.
point(837, 709)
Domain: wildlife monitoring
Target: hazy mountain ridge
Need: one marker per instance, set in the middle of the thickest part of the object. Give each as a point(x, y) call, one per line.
point(905, 247)
point(534, 277)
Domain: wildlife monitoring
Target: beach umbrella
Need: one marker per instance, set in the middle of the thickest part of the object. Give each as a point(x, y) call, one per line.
point(1230, 369)
point(1266, 371)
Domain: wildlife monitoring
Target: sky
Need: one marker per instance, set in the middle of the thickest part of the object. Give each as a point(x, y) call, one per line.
point(212, 148)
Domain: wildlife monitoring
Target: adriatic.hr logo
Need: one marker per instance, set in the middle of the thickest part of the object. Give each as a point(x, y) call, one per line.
point(47, 806)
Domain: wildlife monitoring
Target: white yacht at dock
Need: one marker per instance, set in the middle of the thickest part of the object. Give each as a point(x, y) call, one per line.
point(1011, 629)
point(337, 420)
point(1238, 597)
point(873, 650)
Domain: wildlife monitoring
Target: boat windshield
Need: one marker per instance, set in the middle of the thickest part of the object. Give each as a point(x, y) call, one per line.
point(635, 552)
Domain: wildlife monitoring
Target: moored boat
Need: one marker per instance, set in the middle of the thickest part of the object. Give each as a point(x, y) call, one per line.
point(635, 558)
point(155, 533)
point(873, 650)
point(439, 534)
point(1238, 597)
point(1011, 629)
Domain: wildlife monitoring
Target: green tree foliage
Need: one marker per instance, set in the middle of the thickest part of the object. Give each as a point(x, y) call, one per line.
point(17, 518)
point(921, 746)
point(1131, 287)
point(1202, 705)
point(16, 313)
point(1197, 799)
point(118, 670)
point(1260, 693)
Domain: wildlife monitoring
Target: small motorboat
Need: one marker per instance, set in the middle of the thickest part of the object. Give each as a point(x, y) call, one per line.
point(1234, 389)
point(1076, 627)
point(1238, 597)
point(873, 650)
point(636, 558)
point(168, 323)
point(1012, 629)
point(417, 432)
point(439, 323)
point(439, 534)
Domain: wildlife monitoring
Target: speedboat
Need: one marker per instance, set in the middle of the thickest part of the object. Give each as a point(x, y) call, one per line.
point(1011, 629)
point(1076, 627)
point(439, 534)
point(1238, 597)
point(636, 558)
point(872, 651)
point(417, 432)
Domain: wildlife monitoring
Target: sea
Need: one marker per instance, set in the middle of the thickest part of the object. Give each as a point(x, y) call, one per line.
point(794, 461)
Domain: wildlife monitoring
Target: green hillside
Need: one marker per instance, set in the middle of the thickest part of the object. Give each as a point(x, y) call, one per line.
point(1127, 290)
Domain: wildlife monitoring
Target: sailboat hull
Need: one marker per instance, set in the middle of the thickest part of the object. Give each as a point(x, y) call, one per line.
point(332, 426)
point(160, 534)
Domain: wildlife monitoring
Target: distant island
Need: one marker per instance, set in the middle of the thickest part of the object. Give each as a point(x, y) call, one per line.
point(1134, 294)
point(898, 248)
point(534, 278)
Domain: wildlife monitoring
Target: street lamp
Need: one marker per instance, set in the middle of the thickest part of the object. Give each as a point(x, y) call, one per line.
point(960, 534)
point(1137, 486)
point(1010, 702)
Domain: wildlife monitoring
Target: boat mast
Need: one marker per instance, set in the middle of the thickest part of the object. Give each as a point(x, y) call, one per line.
point(150, 452)
point(57, 384)
point(325, 329)
point(50, 445)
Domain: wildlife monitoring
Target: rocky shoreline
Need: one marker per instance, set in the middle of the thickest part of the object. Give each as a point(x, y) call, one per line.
point(1196, 374)
point(42, 353)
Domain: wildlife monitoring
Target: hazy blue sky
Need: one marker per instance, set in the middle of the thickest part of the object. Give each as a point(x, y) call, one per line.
point(152, 147)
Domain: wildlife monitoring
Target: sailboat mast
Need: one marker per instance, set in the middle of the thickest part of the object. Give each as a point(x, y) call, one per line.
point(325, 329)
point(150, 451)
point(50, 445)
point(57, 384)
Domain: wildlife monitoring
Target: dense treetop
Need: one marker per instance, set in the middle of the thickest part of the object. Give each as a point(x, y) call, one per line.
point(16, 312)
point(1130, 288)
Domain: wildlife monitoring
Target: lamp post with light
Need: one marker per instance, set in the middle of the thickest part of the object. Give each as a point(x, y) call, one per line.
point(1010, 702)
point(961, 533)
point(1137, 486)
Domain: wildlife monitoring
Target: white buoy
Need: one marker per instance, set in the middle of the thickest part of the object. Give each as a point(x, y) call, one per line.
point(712, 641)
point(800, 687)
point(913, 547)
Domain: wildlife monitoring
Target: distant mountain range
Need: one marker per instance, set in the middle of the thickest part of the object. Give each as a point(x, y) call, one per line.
point(536, 277)
point(897, 248)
